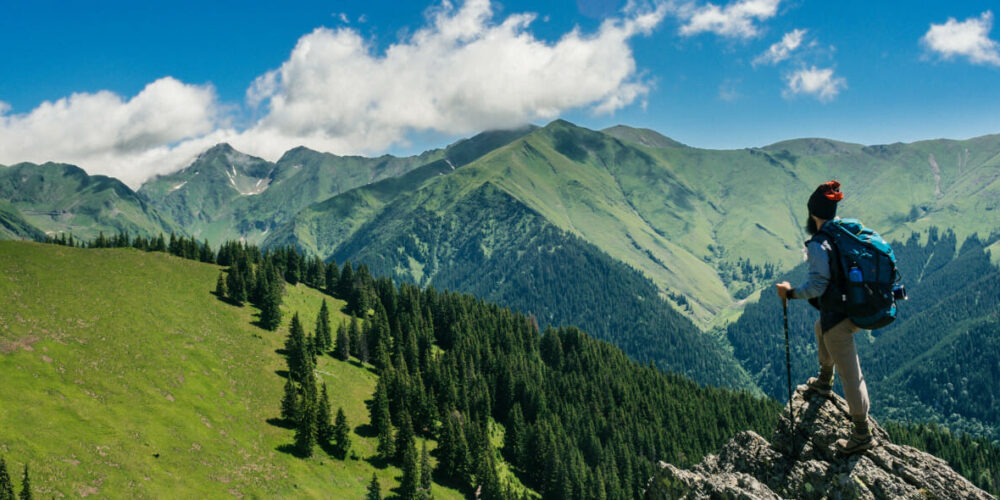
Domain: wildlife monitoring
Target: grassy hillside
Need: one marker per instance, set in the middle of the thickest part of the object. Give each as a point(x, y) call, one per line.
point(124, 376)
point(56, 197)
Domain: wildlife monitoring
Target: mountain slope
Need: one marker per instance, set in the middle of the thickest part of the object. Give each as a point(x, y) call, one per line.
point(487, 243)
point(225, 194)
point(125, 377)
point(14, 227)
point(56, 198)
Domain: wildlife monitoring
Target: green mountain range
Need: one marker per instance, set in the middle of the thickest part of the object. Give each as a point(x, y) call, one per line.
point(57, 198)
point(225, 194)
point(704, 225)
point(641, 240)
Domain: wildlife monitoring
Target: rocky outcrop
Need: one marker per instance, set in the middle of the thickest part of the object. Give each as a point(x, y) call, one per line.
point(805, 464)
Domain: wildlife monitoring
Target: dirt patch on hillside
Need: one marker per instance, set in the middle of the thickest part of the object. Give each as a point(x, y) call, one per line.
point(26, 343)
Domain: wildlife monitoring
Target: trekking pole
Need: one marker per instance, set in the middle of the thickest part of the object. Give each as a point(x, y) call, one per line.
point(788, 370)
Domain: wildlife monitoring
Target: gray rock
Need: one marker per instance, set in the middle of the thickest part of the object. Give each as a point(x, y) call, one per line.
point(805, 464)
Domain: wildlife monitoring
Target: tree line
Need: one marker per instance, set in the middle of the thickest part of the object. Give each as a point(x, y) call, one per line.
point(578, 418)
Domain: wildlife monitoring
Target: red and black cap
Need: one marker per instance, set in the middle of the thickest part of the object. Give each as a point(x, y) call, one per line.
point(823, 202)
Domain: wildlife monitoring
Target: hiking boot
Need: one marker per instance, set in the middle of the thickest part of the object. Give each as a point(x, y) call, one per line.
point(857, 443)
point(815, 385)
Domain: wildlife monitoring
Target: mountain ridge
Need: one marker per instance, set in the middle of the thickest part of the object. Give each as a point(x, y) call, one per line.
point(62, 198)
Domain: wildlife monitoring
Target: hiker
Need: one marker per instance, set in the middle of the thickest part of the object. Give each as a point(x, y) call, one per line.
point(834, 330)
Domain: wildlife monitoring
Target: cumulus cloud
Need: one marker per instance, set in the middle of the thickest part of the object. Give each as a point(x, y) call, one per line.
point(969, 38)
point(462, 72)
point(736, 20)
point(781, 50)
point(130, 139)
point(819, 83)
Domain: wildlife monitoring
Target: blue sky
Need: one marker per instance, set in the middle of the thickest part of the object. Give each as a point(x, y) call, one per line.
point(154, 83)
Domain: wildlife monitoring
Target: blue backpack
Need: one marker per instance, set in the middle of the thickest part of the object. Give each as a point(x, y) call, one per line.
point(868, 267)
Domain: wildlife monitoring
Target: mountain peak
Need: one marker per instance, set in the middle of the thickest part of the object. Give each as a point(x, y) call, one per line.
point(220, 148)
point(643, 136)
point(809, 467)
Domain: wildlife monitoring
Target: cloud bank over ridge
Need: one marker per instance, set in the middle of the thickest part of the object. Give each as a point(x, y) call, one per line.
point(463, 72)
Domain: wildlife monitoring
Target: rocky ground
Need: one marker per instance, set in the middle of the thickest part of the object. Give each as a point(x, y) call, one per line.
point(805, 464)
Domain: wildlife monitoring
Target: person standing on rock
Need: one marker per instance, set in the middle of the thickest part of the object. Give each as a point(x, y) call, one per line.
point(834, 330)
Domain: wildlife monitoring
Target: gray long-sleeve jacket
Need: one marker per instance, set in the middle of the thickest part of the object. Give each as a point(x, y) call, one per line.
point(818, 257)
point(818, 253)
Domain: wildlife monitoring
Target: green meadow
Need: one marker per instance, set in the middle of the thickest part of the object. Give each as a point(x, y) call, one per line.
point(124, 376)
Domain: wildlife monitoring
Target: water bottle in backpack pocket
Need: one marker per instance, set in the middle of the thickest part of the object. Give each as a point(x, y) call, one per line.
point(855, 296)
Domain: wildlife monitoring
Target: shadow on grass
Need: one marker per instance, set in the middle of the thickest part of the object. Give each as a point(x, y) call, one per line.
point(332, 450)
point(377, 461)
point(291, 449)
point(280, 422)
point(281, 352)
point(447, 482)
point(365, 430)
point(226, 299)
point(281, 373)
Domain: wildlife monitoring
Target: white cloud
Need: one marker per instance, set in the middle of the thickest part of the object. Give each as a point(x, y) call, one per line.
point(736, 20)
point(781, 50)
point(463, 72)
point(819, 83)
point(129, 139)
point(969, 38)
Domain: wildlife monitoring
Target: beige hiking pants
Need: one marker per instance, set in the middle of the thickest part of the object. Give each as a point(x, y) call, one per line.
point(836, 348)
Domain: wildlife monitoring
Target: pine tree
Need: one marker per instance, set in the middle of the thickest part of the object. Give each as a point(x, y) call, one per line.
point(305, 432)
point(6, 485)
point(425, 473)
point(379, 410)
point(410, 482)
point(324, 430)
point(296, 347)
point(206, 254)
point(25, 485)
point(290, 402)
point(374, 490)
point(220, 285)
point(270, 307)
point(323, 327)
point(353, 334)
point(312, 348)
point(332, 275)
point(486, 475)
point(381, 421)
point(342, 434)
point(345, 285)
point(342, 351)
point(235, 285)
point(292, 266)
point(404, 435)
